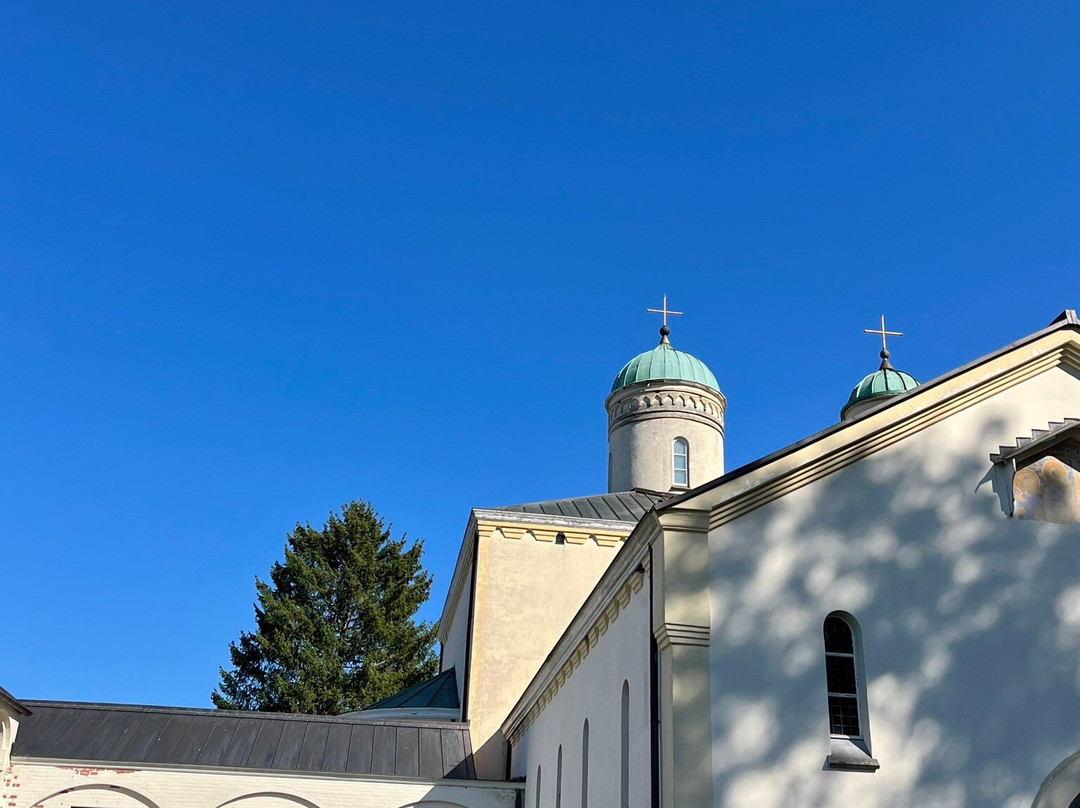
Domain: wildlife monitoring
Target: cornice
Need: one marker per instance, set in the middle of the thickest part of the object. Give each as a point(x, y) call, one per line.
point(657, 385)
point(685, 519)
point(641, 402)
point(549, 533)
point(668, 634)
point(492, 515)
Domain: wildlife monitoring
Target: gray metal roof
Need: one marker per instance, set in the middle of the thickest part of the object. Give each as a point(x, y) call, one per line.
point(623, 506)
point(439, 691)
point(116, 733)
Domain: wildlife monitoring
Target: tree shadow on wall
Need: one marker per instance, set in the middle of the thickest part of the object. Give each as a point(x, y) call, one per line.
point(971, 634)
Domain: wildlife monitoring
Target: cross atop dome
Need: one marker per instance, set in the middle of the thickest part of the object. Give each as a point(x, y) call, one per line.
point(664, 310)
point(883, 383)
point(884, 348)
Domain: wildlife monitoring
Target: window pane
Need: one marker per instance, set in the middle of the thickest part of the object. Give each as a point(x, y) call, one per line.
point(681, 477)
point(844, 715)
point(838, 636)
point(840, 673)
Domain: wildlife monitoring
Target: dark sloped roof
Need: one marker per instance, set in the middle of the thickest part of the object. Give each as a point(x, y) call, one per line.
point(116, 733)
point(439, 691)
point(623, 506)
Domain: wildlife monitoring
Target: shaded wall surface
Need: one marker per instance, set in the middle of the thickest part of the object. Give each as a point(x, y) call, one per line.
point(970, 622)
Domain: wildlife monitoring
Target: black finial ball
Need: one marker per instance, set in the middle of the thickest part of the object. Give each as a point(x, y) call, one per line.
point(884, 354)
point(664, 331)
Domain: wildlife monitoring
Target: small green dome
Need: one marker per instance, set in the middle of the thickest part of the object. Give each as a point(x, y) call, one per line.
point(882, 383)
point(664, 363)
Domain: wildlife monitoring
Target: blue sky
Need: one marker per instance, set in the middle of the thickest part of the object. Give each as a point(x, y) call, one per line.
point(260, 259)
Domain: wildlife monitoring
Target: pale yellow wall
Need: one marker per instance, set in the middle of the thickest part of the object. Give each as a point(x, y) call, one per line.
point(528, 589)
point(45, 785)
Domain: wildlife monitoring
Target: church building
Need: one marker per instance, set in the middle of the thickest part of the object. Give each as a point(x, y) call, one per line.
point(883, 614)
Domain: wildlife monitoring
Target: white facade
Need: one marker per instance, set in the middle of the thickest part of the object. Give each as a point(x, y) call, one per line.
point(49, 785)
point(970, 624)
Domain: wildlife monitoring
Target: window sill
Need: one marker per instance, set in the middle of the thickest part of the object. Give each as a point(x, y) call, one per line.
point(849, 755)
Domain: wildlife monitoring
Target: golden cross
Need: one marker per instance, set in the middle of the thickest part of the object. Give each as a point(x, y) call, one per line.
point(883, 333)
point(664, 311)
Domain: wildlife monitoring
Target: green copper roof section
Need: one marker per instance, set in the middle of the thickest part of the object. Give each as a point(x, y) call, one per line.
point(439, 691)
point(664, 363)
point(882, 383)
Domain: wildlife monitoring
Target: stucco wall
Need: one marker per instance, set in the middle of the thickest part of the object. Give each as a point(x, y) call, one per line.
point(594, 692)
point(970, 623)
point(645, 419)
point(529, 591)
point(41, 785)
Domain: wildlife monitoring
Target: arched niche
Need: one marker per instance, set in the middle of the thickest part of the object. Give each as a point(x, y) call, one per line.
point(93, 795)
point(268, 799)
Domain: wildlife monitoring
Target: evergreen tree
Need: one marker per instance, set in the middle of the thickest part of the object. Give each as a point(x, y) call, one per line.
point(334, 627)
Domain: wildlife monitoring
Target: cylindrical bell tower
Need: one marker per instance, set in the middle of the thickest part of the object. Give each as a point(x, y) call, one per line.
point(665, 422)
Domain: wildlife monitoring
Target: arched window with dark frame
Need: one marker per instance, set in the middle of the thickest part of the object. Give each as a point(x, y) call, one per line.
point(680, 463)
point(842, 679)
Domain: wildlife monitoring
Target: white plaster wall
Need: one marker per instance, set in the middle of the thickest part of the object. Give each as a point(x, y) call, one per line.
point(970, 622)
point(456, 647)
point(529, 592)
point(594, 692)
point(43, 785)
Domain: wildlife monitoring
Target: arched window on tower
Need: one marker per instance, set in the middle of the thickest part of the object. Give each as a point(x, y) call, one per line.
point(537, 803)
point(680, 451)
point(845, 684)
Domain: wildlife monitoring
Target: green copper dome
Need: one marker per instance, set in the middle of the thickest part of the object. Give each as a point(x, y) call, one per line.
point(884, 382)
point(664, 363)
